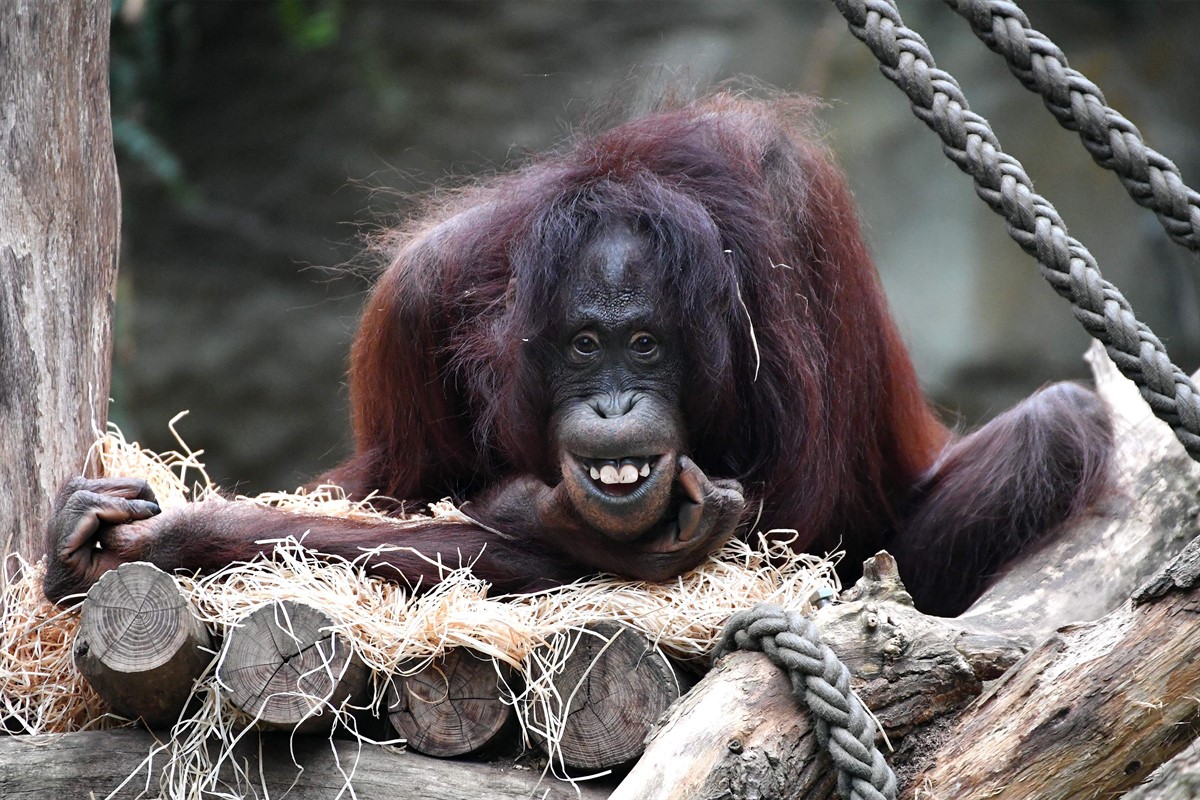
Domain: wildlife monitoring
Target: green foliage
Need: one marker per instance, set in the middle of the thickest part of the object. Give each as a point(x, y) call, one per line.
point(310, 25)
point(135, 141)
point(139, 30)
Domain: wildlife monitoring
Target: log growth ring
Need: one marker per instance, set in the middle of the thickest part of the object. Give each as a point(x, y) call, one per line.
point(614, 686)
point(143, 621)
point(284, 663)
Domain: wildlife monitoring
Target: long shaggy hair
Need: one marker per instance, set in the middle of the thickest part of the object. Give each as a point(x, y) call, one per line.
point(798, 383)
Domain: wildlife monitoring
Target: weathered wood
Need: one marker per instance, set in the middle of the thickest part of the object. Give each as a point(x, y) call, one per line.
point(739, 731)
point(614, 685)
point(1091, 711)
point(1123, 690)
point(59, 222)
point(86, 766)
point(1178, 779)
point(286, 665)
point(737, 734)
point(140, 644)
point(453, 706)
point(1123, 669)
point(1091, 568)
point(1182, 573)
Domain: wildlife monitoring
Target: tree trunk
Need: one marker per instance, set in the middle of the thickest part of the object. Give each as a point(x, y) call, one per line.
point(60, 207)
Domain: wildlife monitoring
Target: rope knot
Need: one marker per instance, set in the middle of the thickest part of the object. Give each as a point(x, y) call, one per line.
point(822, 682)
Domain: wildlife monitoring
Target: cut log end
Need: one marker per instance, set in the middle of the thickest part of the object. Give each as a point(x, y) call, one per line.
point(614, 685)
point(285, 666)
point(454, 706)
point(140, 644)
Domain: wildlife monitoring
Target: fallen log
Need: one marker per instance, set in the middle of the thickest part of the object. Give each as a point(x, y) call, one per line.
point(740, 733)
point(736, 735)
point(140, 644)
point(1095, 708)
point(604, 696)
point(454, 706)
point(285, 665)
point(86, 766)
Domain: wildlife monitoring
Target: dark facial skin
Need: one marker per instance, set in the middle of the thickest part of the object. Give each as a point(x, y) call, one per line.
point(615, 384)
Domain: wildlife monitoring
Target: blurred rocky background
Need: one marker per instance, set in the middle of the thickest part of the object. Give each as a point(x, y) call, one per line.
point(258, 141)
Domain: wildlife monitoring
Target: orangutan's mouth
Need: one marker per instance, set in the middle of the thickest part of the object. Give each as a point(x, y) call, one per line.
point(619, 477)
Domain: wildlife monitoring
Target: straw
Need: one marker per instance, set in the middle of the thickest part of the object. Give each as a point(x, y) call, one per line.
point(389, 628)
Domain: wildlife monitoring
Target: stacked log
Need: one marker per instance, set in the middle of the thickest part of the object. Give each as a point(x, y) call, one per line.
point(459, 704)
point(604, 697)
point(140, 644)
point(287, 667)
point(142, 648)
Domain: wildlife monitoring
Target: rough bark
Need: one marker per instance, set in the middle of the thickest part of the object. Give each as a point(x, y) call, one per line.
point(1091, 711)
point(60, 207)
point(286, 666)
point(453, 706)
point(140, 644)
point(739, 733)
point(85, 766)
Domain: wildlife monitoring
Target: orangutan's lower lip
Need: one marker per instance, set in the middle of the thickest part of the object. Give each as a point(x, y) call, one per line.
point(619, 511)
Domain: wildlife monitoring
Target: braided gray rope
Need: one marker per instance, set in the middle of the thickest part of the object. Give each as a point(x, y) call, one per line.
point(843, 726)
point(1151, 179)
point(1001, 182)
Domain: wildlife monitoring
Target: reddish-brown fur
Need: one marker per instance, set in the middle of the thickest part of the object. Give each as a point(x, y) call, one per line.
point(830, 433)
point(826, 425)
point(799, 385)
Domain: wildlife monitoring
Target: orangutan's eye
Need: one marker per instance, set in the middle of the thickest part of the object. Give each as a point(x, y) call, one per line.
point(643, 344)
point(585, 344)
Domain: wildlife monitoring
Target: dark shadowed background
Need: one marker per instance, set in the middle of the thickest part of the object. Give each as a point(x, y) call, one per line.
point(257, 141)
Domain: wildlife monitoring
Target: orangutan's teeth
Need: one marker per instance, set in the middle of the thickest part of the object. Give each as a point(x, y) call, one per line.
point(609, 474)
point(595, 473)
point(628, 474)
point(644, 471)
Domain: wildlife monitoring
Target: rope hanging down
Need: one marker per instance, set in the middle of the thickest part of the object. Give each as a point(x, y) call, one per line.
point(822, 682)
point(1116, 144)
point(1001, 182)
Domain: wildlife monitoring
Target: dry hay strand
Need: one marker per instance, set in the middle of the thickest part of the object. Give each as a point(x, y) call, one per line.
point(386, 626)
point(41, 691)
